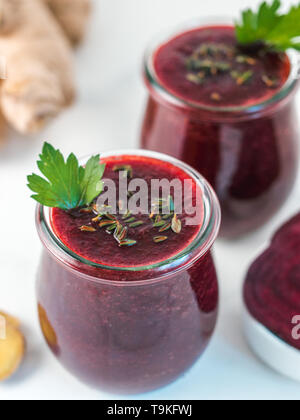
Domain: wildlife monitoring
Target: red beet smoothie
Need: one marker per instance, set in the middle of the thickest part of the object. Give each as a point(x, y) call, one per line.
point(272, 287)
point(120, 330)
point(171, 59)
point(210, 112)
point(102, 248)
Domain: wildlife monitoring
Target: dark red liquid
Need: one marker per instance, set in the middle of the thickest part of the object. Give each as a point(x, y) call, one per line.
point(272, 287)
point(125, 337)
point(102, 248)
point(250, 159)
point(171, 69)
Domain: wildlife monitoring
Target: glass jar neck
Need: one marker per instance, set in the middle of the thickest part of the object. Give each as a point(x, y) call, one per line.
point(98, 272)
point(168, 98)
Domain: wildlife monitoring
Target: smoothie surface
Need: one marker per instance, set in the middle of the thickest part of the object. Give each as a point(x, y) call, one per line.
point(205, 66)
point(100, 246)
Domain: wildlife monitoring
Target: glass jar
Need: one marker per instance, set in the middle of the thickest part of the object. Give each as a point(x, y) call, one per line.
point(129, 330)
point(248, 154)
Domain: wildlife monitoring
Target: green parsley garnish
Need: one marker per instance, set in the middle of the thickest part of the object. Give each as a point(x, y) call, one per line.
point(270, 27)
point(68, 185)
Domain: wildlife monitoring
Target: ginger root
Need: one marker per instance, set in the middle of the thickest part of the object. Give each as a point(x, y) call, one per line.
point(9, 19)
point(72, 15)
point(12, 347)
point(34, 44)
point(39, 81)
point(15, 322)
point(3, 132)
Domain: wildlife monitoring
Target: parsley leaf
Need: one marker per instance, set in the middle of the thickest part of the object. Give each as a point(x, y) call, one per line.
point(278, 31)
point(68, 185)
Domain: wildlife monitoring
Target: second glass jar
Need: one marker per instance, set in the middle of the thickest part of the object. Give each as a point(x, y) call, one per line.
point(248, 154)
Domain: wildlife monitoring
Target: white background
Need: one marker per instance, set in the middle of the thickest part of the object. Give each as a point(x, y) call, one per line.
point(108, 116)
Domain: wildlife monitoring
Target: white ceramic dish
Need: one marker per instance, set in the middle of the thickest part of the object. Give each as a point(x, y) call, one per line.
point(273, 351)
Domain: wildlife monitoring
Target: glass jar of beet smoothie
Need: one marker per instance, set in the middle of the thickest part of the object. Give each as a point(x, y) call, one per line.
point(130, 312)
point(229, 113)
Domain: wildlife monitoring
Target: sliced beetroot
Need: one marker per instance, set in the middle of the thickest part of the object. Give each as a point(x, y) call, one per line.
point(272, 287)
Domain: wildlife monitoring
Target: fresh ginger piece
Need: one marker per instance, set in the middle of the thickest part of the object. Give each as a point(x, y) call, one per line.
point(9, 16)
point(39, 82)
point(3, 133)
point(72, 15)
point(14, 322)
point(12, 349)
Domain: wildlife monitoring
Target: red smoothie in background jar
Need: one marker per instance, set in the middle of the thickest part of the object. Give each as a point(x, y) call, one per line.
point(130, 312)
point(229, 113)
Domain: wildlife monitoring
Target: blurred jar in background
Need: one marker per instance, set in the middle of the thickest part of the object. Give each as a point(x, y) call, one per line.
point(231, 115)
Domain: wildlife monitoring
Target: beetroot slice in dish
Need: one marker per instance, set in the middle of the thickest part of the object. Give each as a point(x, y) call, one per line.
point(272, 286)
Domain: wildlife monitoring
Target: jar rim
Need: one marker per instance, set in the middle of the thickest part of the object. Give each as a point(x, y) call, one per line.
point(153, 79)
point(182, 260)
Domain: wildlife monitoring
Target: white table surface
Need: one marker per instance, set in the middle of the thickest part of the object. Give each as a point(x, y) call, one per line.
point(108, 116)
